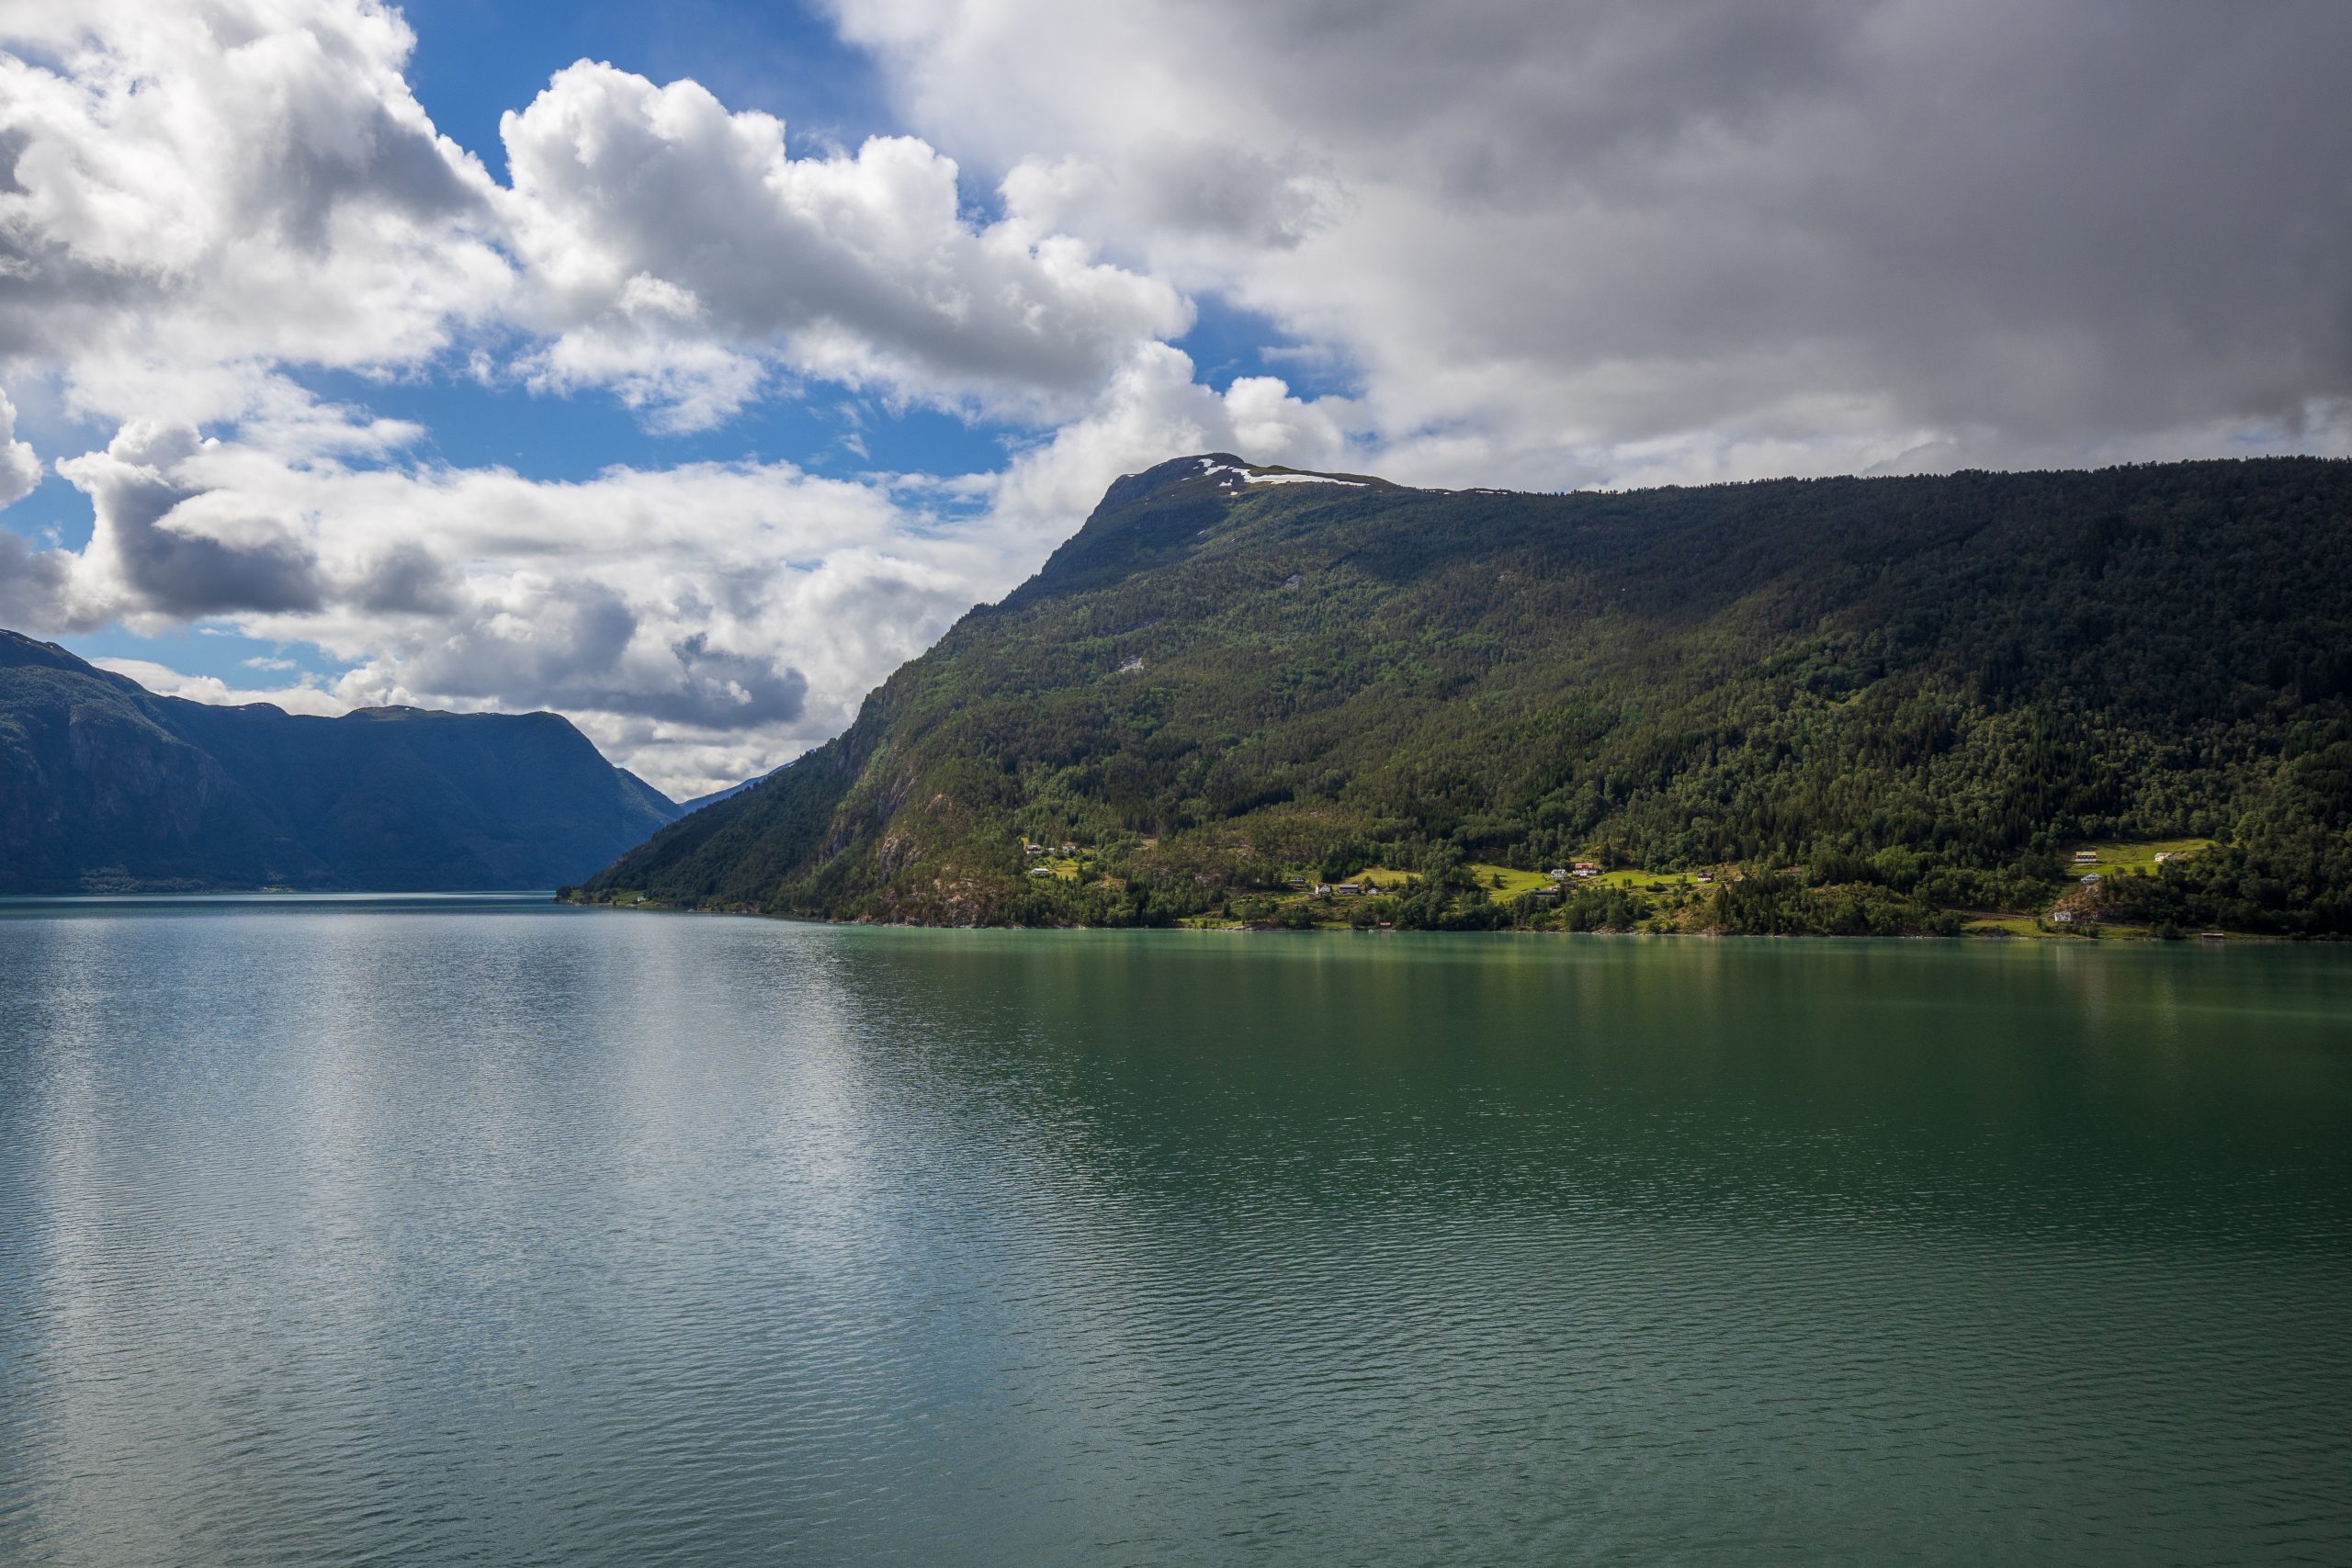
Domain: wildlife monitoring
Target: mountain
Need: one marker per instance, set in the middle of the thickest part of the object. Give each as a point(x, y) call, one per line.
point(107, 788)
point(1868, 703)
point(715, 796)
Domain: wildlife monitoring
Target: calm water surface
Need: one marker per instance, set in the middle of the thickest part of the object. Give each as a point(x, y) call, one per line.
point(480, 1231)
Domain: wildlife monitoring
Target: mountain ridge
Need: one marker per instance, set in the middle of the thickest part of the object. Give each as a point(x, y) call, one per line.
point(105, 786)
point(1887, 699)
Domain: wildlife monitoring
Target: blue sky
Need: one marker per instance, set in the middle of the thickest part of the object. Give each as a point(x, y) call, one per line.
point(475, 61)
point(317, 388)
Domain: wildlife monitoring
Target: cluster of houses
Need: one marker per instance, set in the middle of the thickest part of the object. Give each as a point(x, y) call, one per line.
point(1560, 875)
point(1036, 851)
point(2081, 907)
point(2081, 911)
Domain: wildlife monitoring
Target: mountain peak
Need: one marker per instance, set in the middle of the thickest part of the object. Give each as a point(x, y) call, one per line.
point(1222, 473)
point(18, 651)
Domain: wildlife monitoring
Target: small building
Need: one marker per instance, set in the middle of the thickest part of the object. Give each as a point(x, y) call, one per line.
point(1543, 893)
point(1704, 876)
point(2164, 855)
point(2061, 917)
point(1295, 880)
point(2090, 879)
point(1588, 867)
point(2210, 936)
point(1558, 874)
point(2086, 857)
point(1322, 890)
point(1069, 848)
point(1032, 849)
point(1351, 887)
point(1041, 870)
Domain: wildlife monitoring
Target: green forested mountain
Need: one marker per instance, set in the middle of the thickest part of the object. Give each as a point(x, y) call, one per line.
point(105, 786)
point(1869, 704)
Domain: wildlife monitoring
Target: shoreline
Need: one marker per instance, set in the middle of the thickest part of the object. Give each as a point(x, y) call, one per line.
point(2134, 937)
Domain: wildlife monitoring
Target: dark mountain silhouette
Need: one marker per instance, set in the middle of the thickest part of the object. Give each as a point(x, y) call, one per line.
point(106, 786)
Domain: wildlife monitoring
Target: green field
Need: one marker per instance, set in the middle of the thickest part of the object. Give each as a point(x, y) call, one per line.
point(1505, 882)
point(2020, 925)
point(1646, 881)
point(2133, 854)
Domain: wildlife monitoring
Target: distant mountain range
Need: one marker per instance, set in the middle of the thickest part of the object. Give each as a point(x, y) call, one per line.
point(1872, 705)
point(108, 787)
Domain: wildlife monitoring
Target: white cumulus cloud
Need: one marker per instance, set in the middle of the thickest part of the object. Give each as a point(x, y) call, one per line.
point(671, 245)
point(703, 623)
point(193, 191)
point(19, 465)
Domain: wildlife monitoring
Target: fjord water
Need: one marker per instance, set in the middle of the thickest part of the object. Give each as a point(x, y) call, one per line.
point(480, 1230)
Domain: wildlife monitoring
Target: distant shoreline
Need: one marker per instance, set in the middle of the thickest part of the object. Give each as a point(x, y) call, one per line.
point(2109, 937)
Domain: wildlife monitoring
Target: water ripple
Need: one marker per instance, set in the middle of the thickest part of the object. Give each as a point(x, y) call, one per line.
point(502, 1233)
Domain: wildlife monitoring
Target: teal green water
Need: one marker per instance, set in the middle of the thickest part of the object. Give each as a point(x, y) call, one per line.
point(481, 1231)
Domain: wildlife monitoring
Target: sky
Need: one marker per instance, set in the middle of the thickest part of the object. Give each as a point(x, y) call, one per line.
point(685, 368)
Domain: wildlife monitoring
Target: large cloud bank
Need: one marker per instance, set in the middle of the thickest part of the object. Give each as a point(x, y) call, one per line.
point(1611, 240)
point(1605, 242)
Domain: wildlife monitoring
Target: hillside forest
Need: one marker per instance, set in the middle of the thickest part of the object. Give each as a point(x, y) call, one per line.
point(1852, 705)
